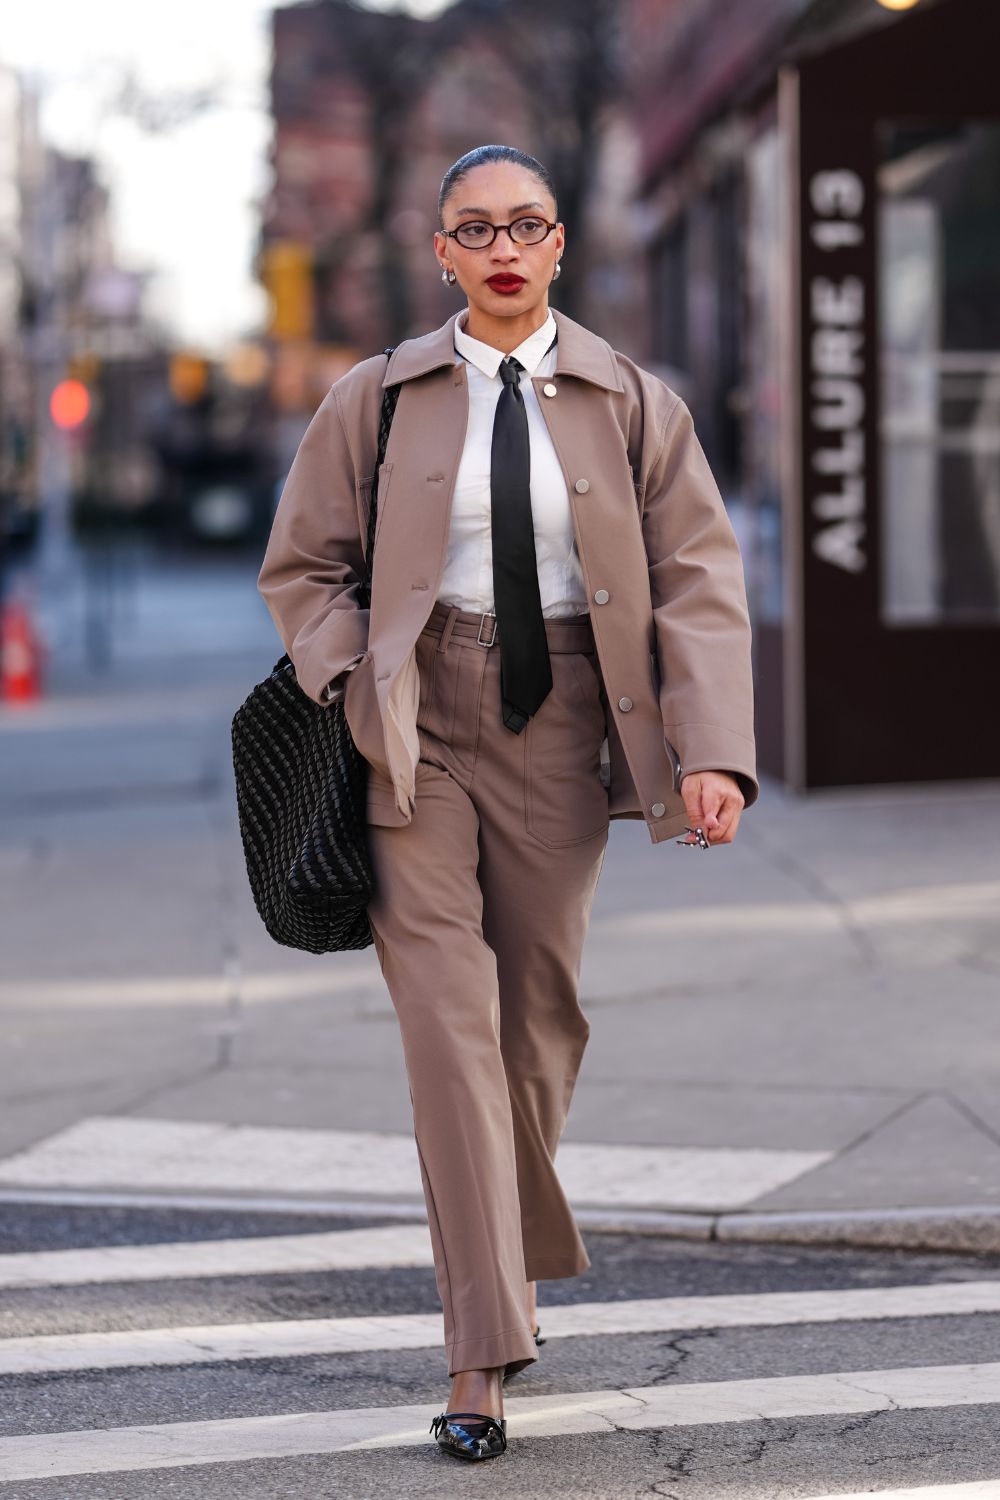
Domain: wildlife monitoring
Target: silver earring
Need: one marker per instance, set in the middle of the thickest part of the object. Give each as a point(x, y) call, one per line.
point(449, 277)
point(558, 270)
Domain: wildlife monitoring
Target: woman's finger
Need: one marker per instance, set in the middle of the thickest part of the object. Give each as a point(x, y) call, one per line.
point(713, 800)
point(729, 818)
point(692, 795)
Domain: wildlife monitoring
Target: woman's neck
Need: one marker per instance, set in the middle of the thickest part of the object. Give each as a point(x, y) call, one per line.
point(504, 334)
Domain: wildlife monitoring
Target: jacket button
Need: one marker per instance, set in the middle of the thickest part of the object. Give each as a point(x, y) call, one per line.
point(625, 704)
point(602, 596)
point(658, 809)
point(582, 486)
point(549, 389)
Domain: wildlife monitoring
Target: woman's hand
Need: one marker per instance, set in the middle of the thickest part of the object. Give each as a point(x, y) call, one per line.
point(714, 802)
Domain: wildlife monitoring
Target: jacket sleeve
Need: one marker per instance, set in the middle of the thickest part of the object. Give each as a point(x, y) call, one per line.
point(699, 608)
point(313, 563)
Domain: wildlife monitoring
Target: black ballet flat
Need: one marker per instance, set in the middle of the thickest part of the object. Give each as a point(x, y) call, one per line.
point(515, 1366)
point(475, 1436)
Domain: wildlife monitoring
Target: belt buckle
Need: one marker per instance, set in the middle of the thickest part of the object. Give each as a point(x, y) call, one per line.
point(489, 615)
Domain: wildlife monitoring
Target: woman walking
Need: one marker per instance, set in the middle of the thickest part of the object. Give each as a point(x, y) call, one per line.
point(558, 635)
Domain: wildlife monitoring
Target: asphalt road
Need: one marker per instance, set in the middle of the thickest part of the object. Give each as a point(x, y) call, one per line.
point(806, 1453)
point(806, 1021)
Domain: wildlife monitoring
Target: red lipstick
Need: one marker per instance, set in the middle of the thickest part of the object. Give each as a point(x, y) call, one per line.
point(505, 281)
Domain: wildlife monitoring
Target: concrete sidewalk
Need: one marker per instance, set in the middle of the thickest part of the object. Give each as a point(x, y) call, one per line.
point(815, 1007)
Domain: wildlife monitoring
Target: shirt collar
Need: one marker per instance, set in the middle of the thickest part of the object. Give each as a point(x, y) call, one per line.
point(530, 353)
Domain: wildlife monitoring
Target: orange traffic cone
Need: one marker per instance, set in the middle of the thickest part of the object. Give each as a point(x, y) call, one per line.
point(20, 656)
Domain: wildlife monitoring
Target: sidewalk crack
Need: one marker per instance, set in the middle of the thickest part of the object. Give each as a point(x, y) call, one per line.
point(968, 1113)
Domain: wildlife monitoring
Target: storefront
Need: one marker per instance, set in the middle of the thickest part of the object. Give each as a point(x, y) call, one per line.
point(890, 622)
point(868, 400)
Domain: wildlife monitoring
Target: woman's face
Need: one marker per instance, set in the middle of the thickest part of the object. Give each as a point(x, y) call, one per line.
point(499, 193)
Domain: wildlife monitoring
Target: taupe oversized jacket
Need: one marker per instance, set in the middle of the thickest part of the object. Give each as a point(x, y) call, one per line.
point(660, 562)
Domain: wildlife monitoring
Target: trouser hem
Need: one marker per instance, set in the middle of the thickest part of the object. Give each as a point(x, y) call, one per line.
point(487, 1353)
point(554, 1268)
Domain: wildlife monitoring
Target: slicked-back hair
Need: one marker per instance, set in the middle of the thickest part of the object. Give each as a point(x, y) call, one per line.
point(478, 157)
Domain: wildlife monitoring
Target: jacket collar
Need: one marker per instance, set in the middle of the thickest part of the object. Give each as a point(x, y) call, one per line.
point(530, 352)
point(578, 352)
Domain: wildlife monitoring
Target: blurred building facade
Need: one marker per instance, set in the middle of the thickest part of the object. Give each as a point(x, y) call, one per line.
point(68, 311)
point(754, 213)
point(163, 442)
point(16, 415)
point(822, 228)
point(370, 109)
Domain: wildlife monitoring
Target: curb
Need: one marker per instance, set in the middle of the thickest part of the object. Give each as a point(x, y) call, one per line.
point(967, 1229)
point(963, 1228)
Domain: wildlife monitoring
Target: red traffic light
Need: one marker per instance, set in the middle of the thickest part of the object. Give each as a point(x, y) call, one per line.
point(69, 404)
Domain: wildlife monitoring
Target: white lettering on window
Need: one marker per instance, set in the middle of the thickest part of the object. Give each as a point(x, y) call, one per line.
point(835, 436)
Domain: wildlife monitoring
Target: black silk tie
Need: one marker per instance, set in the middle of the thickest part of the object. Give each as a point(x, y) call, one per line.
point(525, 670)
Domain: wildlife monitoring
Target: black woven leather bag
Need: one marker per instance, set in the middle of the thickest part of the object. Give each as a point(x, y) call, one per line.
point(301, 793)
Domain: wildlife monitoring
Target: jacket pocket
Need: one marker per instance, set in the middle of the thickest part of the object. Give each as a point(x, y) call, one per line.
point(640, 494)
point(384, 478)
point(364, 501)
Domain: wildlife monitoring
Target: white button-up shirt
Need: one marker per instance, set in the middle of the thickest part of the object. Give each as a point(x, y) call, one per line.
point(467, 580)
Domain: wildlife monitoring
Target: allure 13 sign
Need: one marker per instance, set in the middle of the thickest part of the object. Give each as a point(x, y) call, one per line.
point(835, 454)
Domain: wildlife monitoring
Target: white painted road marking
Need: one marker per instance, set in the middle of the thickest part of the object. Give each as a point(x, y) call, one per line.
point(296, 1338)
point(975, 1489)
point(268, 1255)
point(170, 1154)
point(244, 1439)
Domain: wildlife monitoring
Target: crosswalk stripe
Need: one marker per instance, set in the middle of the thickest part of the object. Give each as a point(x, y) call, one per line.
point(198, 1156)
point(213, 1343)
point(244, 1439)
point(267, 1255)
point(975, 1489)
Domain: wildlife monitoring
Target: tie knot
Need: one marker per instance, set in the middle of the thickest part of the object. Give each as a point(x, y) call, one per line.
point(510, 371)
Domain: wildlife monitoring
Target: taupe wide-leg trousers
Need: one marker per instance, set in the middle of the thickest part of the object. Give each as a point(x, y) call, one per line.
point(481, 908)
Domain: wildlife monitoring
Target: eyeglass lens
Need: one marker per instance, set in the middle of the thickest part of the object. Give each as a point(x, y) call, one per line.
point(477, 232)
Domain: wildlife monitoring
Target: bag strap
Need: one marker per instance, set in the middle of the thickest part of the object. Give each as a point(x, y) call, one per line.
point(389, 398)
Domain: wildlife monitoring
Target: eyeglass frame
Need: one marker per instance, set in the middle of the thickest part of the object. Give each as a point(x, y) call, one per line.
point(496, 228)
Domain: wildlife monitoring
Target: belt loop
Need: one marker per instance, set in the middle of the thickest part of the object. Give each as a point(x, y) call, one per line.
point(449, 624)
